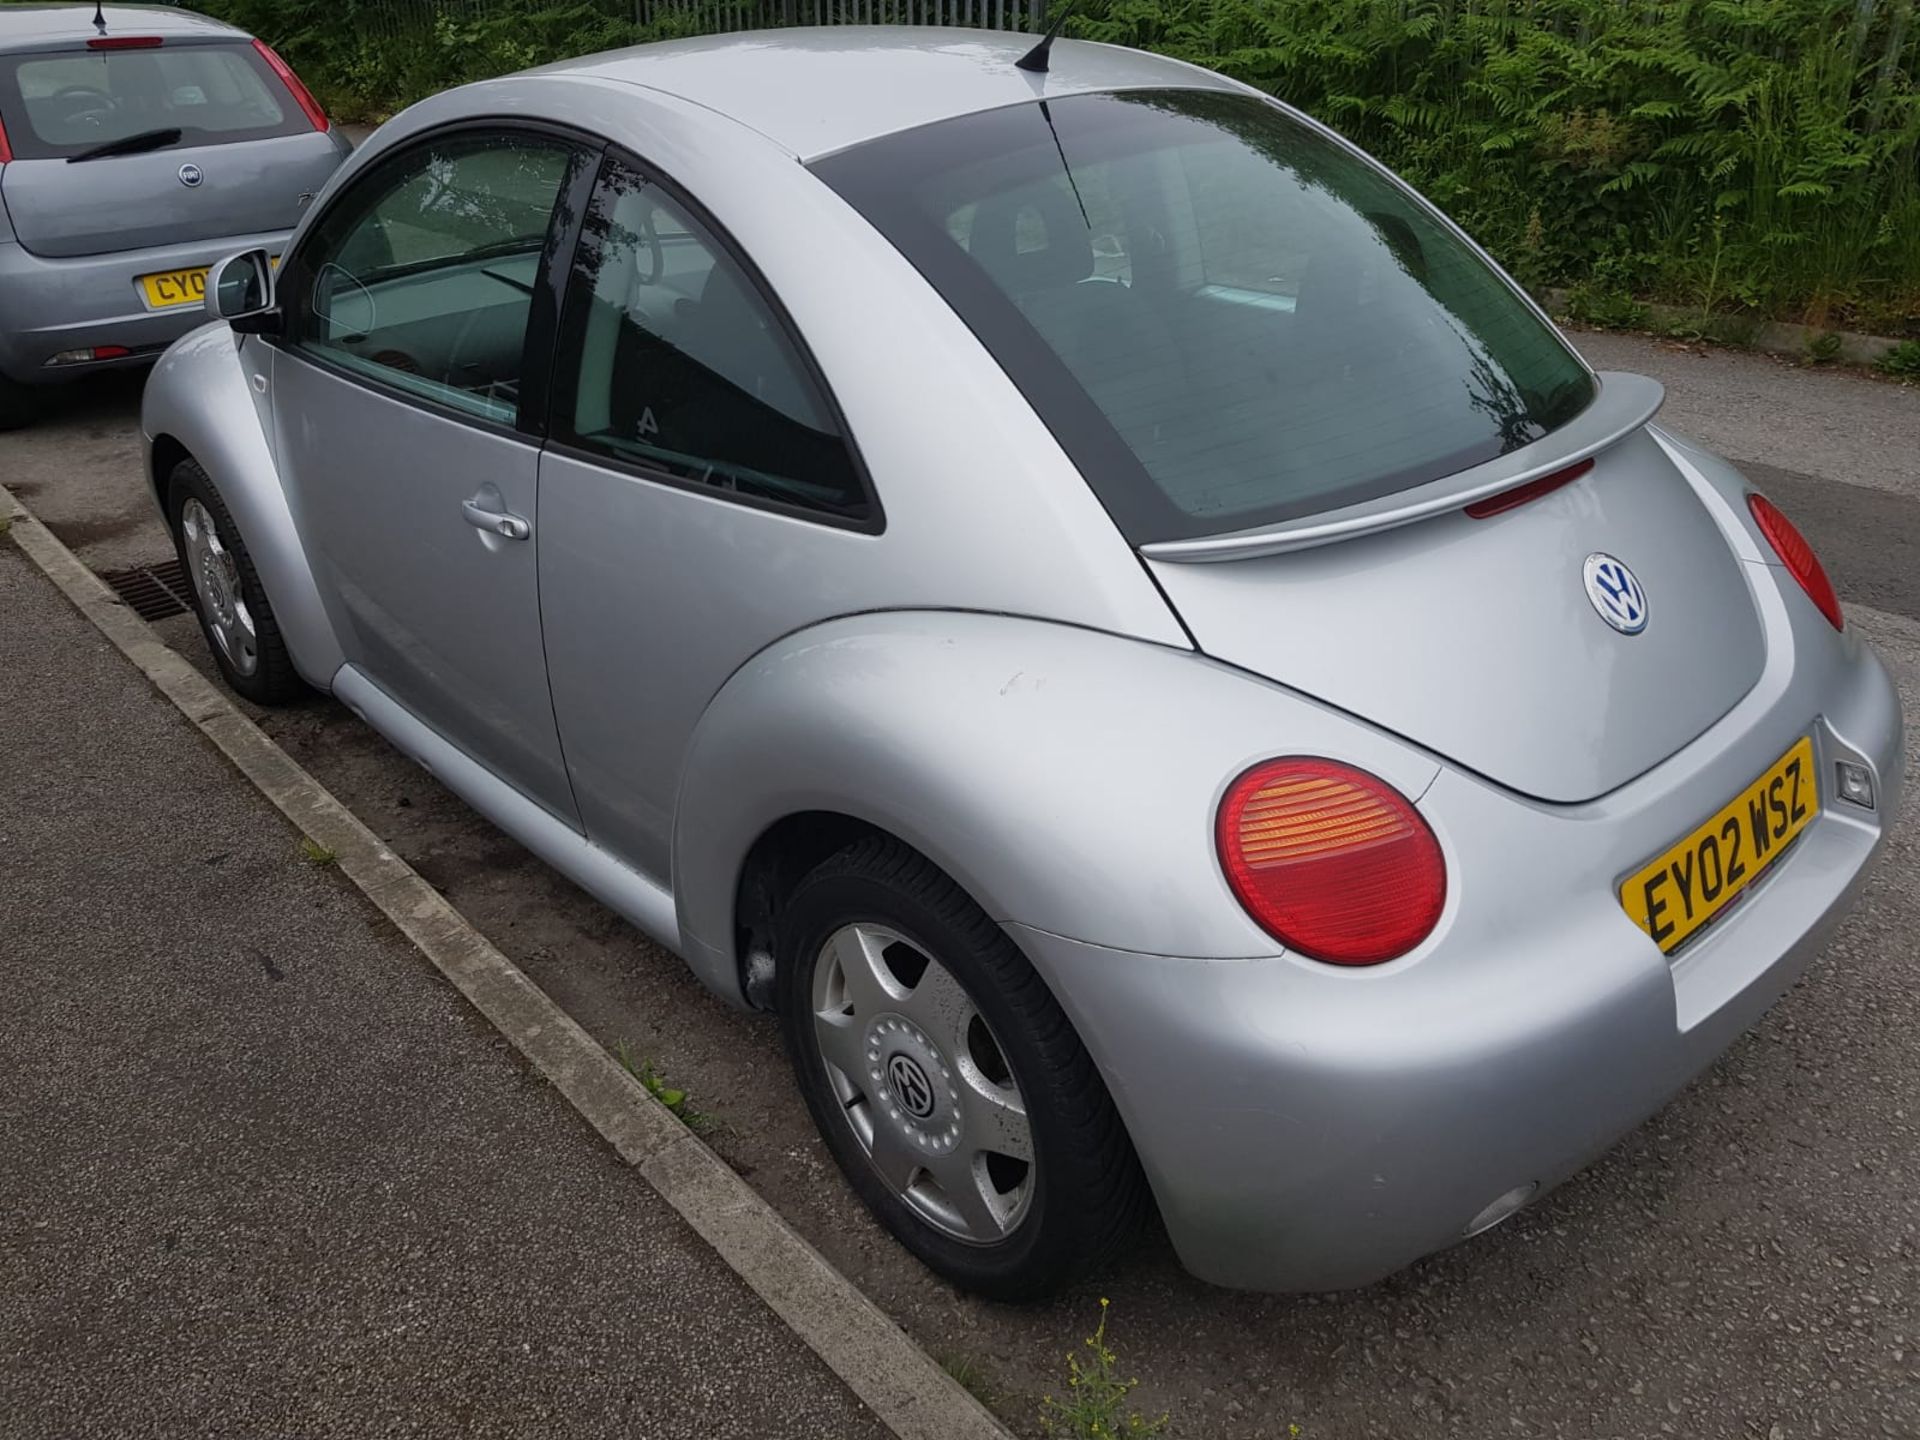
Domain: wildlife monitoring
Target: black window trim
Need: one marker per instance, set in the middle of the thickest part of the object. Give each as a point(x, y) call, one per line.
point(543, 320)
point(564, 384)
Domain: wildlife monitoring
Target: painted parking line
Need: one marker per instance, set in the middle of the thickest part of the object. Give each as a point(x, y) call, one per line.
point(897, 1380)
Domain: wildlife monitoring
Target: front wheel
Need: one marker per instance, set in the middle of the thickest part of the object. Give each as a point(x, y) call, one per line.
point(227, 595)
point(947, 1081)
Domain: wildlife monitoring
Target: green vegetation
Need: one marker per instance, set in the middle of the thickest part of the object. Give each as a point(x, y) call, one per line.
point(656, 1086)
point(1903, 360)
point(1756, 156)
point(1095, 1406)
point(971, 1376)
point(314, 853)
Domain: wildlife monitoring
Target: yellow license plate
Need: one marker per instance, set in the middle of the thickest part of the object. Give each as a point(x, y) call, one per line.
point(175, 287)
point(1673, 896)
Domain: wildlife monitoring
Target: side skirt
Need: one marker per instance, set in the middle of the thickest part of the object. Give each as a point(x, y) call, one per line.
point(637, 899)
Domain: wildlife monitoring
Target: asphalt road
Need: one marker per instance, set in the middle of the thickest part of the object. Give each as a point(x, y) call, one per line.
point(1747, 1264)
point(261, 1172)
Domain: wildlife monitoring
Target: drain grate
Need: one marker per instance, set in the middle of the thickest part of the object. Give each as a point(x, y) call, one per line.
point(153, 592)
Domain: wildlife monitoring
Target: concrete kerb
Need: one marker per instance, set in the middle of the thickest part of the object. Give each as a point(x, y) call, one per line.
point(897, 1380)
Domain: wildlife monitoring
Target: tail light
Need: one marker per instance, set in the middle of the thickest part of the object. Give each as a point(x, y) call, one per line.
point(302, 96)
point(1797, 555)
point(125, 42)
point(6, 150)
point(1505, 500)
point(1331, 861)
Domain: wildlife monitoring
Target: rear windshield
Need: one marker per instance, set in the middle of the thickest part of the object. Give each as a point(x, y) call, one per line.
point(62, 104)
point(1226, 318)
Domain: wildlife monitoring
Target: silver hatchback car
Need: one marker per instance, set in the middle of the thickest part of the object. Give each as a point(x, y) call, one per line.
point(137, 147)
point(1075, 588)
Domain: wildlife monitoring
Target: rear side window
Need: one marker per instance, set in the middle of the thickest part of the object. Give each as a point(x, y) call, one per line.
point(685, 371)
point(63, 104)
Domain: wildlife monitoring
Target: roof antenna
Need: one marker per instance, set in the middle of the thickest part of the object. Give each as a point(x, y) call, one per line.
point(99, 16)
point(1036, 58)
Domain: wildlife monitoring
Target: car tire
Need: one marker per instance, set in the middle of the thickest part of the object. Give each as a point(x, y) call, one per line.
point(232, 607)
point(18, 404)
point(867, 944)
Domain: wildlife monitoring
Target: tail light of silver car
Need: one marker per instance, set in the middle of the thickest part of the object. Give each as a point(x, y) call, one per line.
point(1332, 862)
point(1797, 555)
point(301, 95)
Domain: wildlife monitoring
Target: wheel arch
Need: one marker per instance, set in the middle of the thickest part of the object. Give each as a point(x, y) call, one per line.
point(1064, 778)
point(200, 406)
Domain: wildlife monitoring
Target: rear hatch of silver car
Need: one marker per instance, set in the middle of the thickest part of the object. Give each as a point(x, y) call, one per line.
point(1495, 639)
point(148, 141)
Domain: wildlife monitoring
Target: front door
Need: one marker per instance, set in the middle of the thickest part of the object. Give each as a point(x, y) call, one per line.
point(418, 325)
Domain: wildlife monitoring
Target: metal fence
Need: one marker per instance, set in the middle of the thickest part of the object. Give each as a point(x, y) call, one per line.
point(400, 18)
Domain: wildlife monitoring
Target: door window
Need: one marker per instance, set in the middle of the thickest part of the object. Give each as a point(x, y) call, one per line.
point(426, 281)
point(684, 369)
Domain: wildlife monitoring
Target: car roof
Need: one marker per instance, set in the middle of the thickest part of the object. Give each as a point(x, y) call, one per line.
point(813, 91)
point(39, 27)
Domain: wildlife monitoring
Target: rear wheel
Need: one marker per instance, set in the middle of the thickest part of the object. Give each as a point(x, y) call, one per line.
point(17, 407)
point(227, 596)
point(947, 1081)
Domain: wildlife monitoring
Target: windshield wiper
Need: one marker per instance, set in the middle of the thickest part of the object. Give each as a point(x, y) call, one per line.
point(129, 145)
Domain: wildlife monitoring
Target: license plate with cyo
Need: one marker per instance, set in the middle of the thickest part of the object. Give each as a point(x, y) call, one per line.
point(1673, 896)
point(175, 287)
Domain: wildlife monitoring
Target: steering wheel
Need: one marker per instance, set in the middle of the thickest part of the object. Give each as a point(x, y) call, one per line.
point(93, 104)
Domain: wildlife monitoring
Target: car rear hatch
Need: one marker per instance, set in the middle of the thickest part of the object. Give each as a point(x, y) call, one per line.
point(1481, 638)
point(219, 142)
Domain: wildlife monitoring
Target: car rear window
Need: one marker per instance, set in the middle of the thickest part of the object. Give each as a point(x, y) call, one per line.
point(62, 104)
point(1226, 317)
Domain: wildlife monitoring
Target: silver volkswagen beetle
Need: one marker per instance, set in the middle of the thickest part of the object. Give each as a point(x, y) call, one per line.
point(1076, 589)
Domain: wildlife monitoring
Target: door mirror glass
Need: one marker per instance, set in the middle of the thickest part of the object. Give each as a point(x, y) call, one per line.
point(240, 286)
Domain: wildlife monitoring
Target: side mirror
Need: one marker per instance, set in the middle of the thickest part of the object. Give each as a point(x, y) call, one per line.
point(240, 288)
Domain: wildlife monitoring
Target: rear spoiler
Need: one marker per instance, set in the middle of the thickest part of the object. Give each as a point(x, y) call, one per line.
point(1624, 404)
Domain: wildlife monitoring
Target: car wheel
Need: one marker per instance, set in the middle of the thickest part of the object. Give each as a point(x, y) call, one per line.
point(17, 407)
point(947, 1081)
point(234, 613)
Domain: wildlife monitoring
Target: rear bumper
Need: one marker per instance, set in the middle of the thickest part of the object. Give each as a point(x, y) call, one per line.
point(1309, 1128)
point(48, 305)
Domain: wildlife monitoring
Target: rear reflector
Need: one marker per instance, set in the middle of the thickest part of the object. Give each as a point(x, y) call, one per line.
point(1332, 862)
point(1797, 555)
point(302, 96)
point(125, 42)
point(86, 357)
point(1520, 494)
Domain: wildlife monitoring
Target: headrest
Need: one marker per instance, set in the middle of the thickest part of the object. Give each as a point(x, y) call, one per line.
point(1064, 258)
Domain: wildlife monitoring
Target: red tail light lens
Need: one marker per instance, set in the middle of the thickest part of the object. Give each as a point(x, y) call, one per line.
point(125, 42)
point(302, 96)
point(1797, 555)
point(1331, 861)
point(6, 150)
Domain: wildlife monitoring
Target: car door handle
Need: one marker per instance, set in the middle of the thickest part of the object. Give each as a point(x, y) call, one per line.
point(507, 527)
